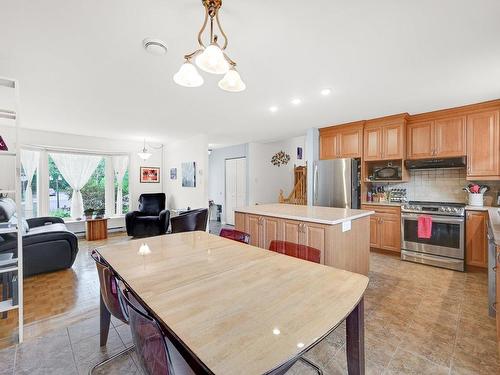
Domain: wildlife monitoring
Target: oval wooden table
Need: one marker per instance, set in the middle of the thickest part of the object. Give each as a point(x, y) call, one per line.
point(233, 308)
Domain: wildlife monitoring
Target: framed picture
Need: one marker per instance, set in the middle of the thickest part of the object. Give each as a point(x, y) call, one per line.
point(150, 175)
point(188, 174)
point(173, 173)
point(299, 153)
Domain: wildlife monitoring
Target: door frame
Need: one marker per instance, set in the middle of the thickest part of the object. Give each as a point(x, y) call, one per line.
point(225, 184)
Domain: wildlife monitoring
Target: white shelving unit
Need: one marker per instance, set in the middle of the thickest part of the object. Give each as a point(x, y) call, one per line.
point(9, 113)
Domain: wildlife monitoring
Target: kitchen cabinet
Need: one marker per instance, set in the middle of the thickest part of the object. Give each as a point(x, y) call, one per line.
point(254, 228)
point(343, 141)
point(476, 240)
point(497, 304)
point(385, 227)
point(384, 139)
point(483, 143)
point(444, 137)
point(270, 227)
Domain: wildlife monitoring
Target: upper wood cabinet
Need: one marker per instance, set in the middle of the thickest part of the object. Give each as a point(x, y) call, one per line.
point(343, 141)
point(444, 137)
point(483, 143)
point(384, 138)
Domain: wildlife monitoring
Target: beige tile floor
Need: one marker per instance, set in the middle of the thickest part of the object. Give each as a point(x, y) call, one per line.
point(418, 319)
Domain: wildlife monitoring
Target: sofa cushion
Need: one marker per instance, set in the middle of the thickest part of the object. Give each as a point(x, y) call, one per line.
point(48, 228)
point(7, 209)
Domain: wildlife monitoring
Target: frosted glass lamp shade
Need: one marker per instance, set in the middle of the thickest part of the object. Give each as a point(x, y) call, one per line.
point(212, 60)
point(188, 76)
point(232, 82)
point(144, 154)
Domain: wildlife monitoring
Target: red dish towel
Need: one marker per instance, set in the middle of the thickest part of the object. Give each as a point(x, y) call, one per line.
point(424, 226)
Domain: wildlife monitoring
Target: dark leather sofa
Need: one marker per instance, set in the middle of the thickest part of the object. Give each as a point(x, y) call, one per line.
point(152, 219)
point(47, 244)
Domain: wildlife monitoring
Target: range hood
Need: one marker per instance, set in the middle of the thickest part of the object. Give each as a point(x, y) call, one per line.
point(459, 162)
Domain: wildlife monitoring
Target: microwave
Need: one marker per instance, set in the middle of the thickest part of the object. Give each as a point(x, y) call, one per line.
point(387, 173)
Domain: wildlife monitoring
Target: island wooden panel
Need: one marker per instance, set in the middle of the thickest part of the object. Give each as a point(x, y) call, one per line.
point(216, 295)
point(345, 250)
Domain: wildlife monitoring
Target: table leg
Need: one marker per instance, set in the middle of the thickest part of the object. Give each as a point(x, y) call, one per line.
point(355, 334)
point(105, 321)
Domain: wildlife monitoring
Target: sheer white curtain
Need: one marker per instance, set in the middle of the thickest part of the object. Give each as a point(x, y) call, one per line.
point(29, 160)
point(120, 164)
point(76, 170)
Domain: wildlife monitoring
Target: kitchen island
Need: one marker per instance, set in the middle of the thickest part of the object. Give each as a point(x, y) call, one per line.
point(342, 235)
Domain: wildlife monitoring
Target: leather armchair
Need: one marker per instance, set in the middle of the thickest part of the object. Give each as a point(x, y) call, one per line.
point(190, 221)
point(152, 219)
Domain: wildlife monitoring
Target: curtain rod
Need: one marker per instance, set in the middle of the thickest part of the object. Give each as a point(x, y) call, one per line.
point(69, 150)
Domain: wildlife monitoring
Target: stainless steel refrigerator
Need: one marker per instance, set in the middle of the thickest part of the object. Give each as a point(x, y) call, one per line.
point(337, 183)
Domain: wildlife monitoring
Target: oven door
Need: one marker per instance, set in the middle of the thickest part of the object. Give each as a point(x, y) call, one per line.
point(447, 237)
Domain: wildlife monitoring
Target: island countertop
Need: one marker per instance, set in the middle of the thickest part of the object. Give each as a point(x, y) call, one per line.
point(313, 214)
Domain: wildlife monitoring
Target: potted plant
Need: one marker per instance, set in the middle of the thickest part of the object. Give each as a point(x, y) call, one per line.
point(89, 212)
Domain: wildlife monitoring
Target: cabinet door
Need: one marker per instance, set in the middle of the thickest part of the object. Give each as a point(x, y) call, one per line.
point(315, 236)
point(350, 143)
point(270, 226)
point(450, 137)
point(328, 146)
point(390, 233)
point(291, 230)
point(420, 140)
point(374, 231)
point(392, 142)
point(239, 221)
point(498, 292)
point(373, 144)
point(253, 228)
point(483, 144)
point(476, 231)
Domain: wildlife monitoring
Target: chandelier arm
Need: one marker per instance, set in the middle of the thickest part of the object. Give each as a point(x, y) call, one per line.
point(200, 42)
point(221, 31)
point(193, 54)
point(229, 60)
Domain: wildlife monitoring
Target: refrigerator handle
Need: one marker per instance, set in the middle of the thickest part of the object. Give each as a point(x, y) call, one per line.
point(315, 184)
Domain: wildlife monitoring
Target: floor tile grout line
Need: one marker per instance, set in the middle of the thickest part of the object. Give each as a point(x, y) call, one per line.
point(72, 350)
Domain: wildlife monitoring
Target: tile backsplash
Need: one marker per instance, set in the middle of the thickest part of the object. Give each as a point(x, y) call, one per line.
point(442, 185)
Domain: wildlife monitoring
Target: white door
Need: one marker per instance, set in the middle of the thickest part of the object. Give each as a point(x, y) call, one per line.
point(236, 186)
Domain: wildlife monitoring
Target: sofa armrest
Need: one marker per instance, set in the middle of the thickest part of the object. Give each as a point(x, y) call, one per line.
point(164, 220)
point(41, 221)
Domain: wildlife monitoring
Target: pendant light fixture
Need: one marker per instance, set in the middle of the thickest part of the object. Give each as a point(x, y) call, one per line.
point(211, 58)
point(144, 154)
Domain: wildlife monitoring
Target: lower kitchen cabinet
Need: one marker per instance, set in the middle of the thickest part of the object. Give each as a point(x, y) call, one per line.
point(385, 227)
point(476, 240)
point(497, 304)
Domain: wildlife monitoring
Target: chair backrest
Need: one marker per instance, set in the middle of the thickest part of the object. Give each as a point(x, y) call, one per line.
point(190, 221)
point(109, 287)
point(149, 340)
point(235, 235)
point(295, 250)
point(152, 204)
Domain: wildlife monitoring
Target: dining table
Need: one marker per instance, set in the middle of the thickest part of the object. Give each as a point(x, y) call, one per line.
point(229, 307)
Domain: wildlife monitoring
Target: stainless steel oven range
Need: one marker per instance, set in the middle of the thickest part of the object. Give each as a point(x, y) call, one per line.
point(445, 248)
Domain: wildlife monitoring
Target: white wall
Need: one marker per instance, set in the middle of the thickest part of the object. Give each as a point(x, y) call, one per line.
point(193, 149)
point(265, 179)
point(216, 178)
point(69, 141)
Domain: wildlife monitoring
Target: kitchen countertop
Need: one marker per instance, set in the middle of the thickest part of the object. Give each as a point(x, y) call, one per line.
point(313, 214)
point(494, 219)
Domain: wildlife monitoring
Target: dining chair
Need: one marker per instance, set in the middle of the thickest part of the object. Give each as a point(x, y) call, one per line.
point(235, 235)
point(296, 250)
point(148, 337)
point(190, 221)
point(110, 304)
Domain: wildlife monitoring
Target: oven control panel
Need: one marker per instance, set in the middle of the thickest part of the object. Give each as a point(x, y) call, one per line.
point(448, 210)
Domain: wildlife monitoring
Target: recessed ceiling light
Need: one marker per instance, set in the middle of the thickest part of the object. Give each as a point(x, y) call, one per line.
point(326, 92)
point(154, 46)
point(296, 101)
point(273, 109)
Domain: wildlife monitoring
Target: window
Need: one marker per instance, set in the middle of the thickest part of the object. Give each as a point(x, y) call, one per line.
point(93, 193)
point(29, 182)
point(59, 192)
point(125, 194)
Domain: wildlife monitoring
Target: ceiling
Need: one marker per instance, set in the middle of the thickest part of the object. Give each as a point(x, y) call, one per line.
point(82, 68)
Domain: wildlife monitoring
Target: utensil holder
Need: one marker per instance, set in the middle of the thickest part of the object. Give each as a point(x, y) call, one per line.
point(476, 199)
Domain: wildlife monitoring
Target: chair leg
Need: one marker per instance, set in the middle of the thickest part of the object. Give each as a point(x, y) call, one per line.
point(129, 349)
point(105, 320)
point(312, 364)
